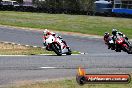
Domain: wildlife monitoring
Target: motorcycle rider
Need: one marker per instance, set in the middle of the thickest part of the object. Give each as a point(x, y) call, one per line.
point(46, 33)
point(116, 33)
point(106, 39)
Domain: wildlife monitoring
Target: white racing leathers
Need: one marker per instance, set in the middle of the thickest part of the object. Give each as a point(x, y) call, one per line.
point(57, 45)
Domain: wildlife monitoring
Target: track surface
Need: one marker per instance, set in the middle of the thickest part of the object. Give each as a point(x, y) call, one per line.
point(23, 68)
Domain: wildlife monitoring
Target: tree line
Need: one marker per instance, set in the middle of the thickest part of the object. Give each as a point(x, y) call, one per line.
point(56, 6)
point(65, 6)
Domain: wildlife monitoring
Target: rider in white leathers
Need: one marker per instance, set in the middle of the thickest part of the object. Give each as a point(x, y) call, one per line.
point(46, 33)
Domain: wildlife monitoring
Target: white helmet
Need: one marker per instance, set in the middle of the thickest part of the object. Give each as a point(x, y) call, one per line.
point(45, 32)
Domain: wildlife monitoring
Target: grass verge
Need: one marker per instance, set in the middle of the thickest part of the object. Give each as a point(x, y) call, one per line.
point(70, 23)
point(10, 49)
point(71, 83)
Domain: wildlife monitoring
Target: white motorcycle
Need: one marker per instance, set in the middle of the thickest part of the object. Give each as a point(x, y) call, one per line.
point(111, 43)
point(57, 45)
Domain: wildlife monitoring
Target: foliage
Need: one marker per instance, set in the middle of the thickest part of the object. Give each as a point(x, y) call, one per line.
point(65, 5)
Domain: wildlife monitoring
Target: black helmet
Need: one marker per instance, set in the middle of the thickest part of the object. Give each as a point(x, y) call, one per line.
point(106, 34)
point(114, 31)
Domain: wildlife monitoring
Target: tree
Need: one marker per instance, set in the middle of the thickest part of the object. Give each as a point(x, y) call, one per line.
point(67, 6)
point(87, 5)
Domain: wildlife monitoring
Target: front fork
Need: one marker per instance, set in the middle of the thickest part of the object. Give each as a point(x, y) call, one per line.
point(48, 48)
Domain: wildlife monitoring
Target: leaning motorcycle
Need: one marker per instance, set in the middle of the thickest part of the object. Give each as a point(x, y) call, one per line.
point(110, 43)
point(57, 45)
point(123, 44)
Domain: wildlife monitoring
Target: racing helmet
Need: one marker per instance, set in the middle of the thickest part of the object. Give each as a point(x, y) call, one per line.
point(114, 31)
point(106, 34)
point(46, 32)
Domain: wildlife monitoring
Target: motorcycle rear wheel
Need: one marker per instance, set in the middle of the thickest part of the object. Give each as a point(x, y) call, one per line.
point(129, 51)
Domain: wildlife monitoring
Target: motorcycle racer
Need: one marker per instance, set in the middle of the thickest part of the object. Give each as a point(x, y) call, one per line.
point(116, 33)
point(107, 39)
point(106, 35)
point(118, 41)
point(46, 33)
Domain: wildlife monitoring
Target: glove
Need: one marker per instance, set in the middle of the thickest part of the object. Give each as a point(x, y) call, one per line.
point(60, 37)
point(126, 38)
point(44, 44)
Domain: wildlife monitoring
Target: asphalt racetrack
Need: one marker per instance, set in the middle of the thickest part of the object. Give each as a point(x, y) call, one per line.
point(98, 59)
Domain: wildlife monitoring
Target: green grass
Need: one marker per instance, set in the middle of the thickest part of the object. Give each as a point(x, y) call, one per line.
point(29, 51)
point(71, 83)
point(70, 23)
point(9, 49)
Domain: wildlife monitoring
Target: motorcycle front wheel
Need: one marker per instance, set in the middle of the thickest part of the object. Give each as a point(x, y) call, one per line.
point(57, 49)
point(129, 50)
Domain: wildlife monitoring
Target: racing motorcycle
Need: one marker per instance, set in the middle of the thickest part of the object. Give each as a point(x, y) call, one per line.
point(110, 43)
point(57, 45)
point(123, 44)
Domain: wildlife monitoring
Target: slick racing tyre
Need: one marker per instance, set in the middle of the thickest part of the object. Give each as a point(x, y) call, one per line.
point(129, 50)
point(57, 49)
